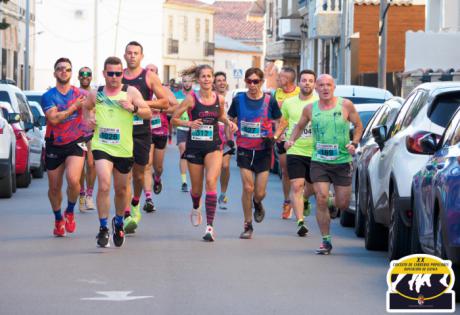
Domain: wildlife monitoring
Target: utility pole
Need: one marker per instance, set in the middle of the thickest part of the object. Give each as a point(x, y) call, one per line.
point(116, 28)
point(343, 43)
point(382, 75)
point(27, 50)
point(95, 71)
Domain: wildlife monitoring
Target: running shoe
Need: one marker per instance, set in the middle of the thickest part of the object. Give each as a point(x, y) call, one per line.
point(59, 229)
point(70, 224)
point(259, 211)
point(149, 206)
point(82, 203)
point(247, 232)
point(103, 237)
point(136, 213)
point(287, 211)
point(118, 234)
point(209, 236)
point(302, 229)
point(129, 225)
point(89, 203)
point(333, 211)
point(325, 248)
point(195, 216)
point(306, 208)
point(157, 186)
point(223, 200)
point(184, 187)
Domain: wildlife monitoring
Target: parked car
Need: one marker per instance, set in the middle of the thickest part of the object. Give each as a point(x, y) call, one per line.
point(18, 102)
point(7, 154)
point(34, 96)
point(436, 197)
point(362, 94)
point(381, 114)
point(391, 169)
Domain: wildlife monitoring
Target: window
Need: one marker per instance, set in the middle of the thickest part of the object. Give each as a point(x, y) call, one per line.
point(443, 108)
point(185, 28)
point(5, 97)
point(413, 97)
point(374, 122)
point(198, 30)
point(35, 113)
point(23, 108)
point(170, 26)
point(206, 30)
point(414, 109)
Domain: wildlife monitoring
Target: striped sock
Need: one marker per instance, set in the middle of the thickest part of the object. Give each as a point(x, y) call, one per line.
point(195, 200)
point(211, 201)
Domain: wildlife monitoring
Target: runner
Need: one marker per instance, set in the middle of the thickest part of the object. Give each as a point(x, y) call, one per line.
point(287, 89)
point(205, 108)
point(86, 196)
point(255, 112)
point(182, 132)
point(115, 104)
point(228, 146)
point(299, 155)
point(148, 84)
point(330, 118)
point(65, 146)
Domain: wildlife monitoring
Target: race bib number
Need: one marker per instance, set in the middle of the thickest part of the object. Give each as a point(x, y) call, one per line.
point(203, 133)
point(306, 133)
point(156, 121)
point(137, 120)
point(328, 152)
point(109, 135)
point(250, 129)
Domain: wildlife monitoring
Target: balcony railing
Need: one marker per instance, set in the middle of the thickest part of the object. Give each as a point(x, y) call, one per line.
point(173, 46)
point(209, 49)
point(324, 17)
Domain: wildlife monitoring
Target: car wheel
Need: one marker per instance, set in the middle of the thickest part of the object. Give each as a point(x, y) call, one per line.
point(13, 179)
point(415, 247)
point(398, 232)
point(375, 234)
point(38, 173)
point(6, 183)
point(359, 217)
point(23, 180)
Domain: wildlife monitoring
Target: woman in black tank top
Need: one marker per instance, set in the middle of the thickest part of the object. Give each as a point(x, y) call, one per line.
point(205, 108)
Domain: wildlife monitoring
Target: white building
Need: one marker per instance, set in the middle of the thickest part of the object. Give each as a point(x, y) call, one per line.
point(13, 40)
point(68, 29)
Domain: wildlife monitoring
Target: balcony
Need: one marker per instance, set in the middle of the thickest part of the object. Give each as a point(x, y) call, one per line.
point(325, 18)
point(173, 46)
point(209, 49)
point(283, 49)
point(289, 9)
point(289, 28)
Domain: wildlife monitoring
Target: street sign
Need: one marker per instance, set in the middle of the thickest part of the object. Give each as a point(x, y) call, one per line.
point(237, 73)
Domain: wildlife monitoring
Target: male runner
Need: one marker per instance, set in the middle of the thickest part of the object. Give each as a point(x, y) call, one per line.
point(221, 86)
point(330, 118)
point(115, 105)
point(287, 89)
point(299, 155)
point(148, 84)
point(65, 147)
point(86, 196)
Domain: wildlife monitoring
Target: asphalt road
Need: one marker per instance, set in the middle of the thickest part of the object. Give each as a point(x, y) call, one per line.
point(165, 268)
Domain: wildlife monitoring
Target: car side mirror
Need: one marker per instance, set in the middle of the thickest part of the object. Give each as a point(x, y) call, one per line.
point(13, 118)
point(429, 143)
point(380, 134)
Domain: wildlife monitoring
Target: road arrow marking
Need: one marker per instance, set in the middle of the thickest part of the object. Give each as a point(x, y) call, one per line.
point(116, 296)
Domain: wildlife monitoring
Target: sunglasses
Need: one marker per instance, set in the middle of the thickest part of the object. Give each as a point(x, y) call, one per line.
point(255, 82)
point(85, 74)
point(114, 73)
point(62, 69)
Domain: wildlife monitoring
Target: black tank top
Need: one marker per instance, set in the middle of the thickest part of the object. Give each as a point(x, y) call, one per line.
point(207, 136)
point(140, 127)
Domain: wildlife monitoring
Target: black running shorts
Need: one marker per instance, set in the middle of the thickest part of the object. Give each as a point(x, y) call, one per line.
point(123, 165)
point(55, 155)
point(159, 141)
point(196, 156)
point(257, 161)
point(280, 147)
point(141, 149)
point(337, 174)
point(298, 166)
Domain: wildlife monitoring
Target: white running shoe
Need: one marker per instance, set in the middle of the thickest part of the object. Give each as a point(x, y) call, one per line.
point(82, 203)
point(90, 203)
point(195, 216)
point(210, 236)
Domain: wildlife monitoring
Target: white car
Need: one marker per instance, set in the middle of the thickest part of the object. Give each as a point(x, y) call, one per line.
point(427, 109)
point(39, 118)
point(35, 96)
point(362, 94)
point(7, 155)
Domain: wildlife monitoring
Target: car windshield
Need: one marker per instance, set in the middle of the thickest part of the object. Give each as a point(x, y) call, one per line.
point(365, 117)
point(36, 98)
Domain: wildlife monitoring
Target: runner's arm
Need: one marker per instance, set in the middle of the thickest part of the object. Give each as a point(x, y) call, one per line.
point(89, 108)
point(55, 117)
point(303, 121)
point(223, 116)
point(354, 118)
point(161, 101)
point(283, 124)
point(172, 102)
point(143, 110)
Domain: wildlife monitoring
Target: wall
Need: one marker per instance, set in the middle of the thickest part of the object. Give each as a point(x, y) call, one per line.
point(226, 60)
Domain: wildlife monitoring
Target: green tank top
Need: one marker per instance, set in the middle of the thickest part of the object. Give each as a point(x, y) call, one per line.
point(331, 133)
point(292, 111)
point(180, 97)
point(114, 126)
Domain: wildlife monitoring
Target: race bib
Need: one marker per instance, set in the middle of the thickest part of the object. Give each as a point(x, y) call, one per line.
point(328, 152)
point(137, 120)
point(203, 133)
point(109, 135)
point(306, 133)
point(250, 129)
point(156, 121)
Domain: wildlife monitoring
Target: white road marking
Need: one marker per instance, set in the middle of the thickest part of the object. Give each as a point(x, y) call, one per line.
point(116, 296)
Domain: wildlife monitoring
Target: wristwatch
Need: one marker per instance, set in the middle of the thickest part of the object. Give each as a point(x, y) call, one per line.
point(355, 145)
point(275, 137)
point(135, 109)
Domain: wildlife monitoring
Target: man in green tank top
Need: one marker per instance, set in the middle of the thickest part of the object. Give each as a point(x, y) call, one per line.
point(299, 154)
point(112, 144)
point(330, 119)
